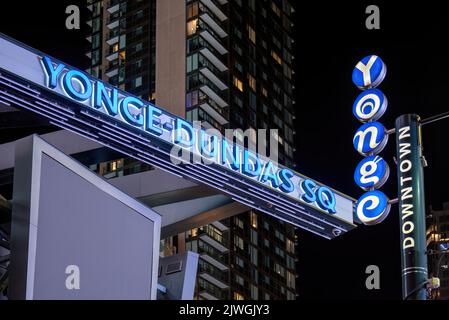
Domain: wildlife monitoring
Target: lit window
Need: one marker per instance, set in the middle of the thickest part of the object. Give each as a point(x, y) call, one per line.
point(115, 48)
point(191, 27)
point(192, 10)
point(276, 57)
point(290, 246)
point(276, 9)
point(252, 35)
point(252, 82)
point(238, 242)
point(238, 296)
point(253, 219)
point(264, 92)
point(238, 84)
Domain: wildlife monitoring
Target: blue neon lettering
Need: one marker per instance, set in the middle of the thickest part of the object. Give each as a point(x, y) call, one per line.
point(152, 119)
point(182, 125)
point(307, 187)
point(103, 98)
point(136, 120)
point(86, 90)
point(269, 174)
point(326, 199)
point(51, 72)
point(285, 176)
point(230, 150)
point(251, 164)
point(208, 144)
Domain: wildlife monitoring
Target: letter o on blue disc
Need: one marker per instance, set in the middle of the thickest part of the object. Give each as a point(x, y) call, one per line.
point(372, 207)
point(371, 172)
point(369, 72)
point(370, 138)
point(370, 105)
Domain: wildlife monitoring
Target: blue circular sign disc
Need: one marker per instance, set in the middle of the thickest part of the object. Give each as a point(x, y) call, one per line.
point(370, 138)
point(370, 105)
point(369, 72)
point(372, 207)
point(371, 173)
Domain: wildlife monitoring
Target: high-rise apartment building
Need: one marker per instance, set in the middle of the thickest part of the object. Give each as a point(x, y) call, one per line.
point(438, 249)
point(228, 64)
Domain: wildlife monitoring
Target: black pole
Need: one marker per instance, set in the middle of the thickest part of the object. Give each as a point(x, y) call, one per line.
point(411, 207)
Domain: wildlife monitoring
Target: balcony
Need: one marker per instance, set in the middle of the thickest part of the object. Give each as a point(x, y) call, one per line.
point(114, 6)
point(113, 24)
point(215, 9)
point(112, 72)
point(212, 275)
point(207, 295)
point(213, 78)
point(213, 59)
point(213, 113)
point(217, 264)
point(210, 36)
point(112, 56)
point(211, 93)
point(112, 41)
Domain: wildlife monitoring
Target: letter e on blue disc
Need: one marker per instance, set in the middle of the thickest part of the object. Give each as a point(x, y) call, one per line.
point(372, 207)
point(370, 105)
point(371, 172)
point(370, 138)
point(369, 72)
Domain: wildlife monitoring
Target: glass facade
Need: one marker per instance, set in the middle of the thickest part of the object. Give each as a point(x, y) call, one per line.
point(239, 75)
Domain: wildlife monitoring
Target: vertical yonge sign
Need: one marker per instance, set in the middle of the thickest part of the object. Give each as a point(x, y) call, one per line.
point(145, 116)
point(369, 140)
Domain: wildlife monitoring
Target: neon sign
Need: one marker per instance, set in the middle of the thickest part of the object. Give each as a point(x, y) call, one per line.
point(370, 139)
point(75, 101)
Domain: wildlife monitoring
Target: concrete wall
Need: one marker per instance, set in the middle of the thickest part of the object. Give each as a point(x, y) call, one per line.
point(171, 55)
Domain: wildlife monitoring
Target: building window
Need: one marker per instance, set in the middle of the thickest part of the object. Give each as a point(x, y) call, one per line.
point(291, 280)
point(138, 31)
point(137, 82)
point(238, 242)
point(276, 57)
point(252, 82)
point(252, 35)
point(192, 26)
point(238, 222)
point(280, 270)
point(238, 296)
point(238, 84)
point(192, 62)
point(279, 235)
point(192, 10)
point(254, 292)
point(239, 262)
point(192, 99)
point(239, 280)
point(253, 217)
point(138, 14)
point(290, 246)
point(138, 47)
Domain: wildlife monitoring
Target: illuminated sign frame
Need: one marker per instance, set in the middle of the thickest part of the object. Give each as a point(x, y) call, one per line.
point(73, 100)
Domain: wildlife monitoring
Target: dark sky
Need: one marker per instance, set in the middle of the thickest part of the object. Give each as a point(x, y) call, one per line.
point(330, 39)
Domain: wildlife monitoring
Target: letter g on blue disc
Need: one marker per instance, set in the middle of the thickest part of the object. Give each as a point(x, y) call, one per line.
point(372, 207)
point(369, 72)
point(370, 105)
point(371, 172)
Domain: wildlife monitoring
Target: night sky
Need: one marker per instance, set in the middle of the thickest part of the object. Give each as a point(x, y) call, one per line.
point(330, 39)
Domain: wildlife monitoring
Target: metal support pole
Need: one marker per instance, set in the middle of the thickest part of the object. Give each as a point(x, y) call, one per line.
point(411, 207)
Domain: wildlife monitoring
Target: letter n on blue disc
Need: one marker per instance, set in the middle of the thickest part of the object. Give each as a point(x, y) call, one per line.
point(369, 72)
point(371, 173)
point(370, 138)
point(372, 207)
